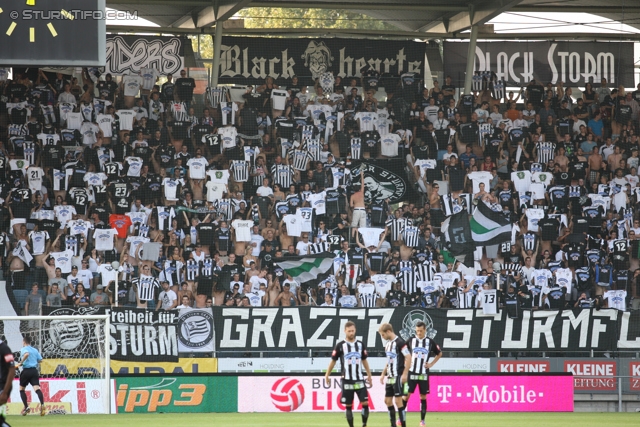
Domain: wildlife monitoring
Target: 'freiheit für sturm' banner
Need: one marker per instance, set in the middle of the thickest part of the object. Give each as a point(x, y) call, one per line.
point(250, 60)
point(129, 54)
point(573, 63)
point(320, 328)
point(135, 334)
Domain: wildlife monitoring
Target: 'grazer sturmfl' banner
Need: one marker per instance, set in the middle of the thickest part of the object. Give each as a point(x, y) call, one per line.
point(250, 60)
point(129, 54)
point(319, 328)
point(573, 63)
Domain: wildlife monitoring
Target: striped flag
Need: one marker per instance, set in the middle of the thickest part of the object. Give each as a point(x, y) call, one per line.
point(307, 268)
point(489, 227)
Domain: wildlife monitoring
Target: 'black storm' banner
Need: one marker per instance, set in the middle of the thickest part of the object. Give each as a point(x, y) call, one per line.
point(319, 328)
point(250, 60)
point(573, 63)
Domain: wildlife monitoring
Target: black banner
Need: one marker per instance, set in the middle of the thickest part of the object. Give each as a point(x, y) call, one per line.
point(319, 328)
point(142, 335)
point(129, 54)
point(384, 179)
point(136, 334)
point(573, 63)
point(250, 60)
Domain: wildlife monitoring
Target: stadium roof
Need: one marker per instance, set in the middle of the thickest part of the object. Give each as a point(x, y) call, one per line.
point(413, 18)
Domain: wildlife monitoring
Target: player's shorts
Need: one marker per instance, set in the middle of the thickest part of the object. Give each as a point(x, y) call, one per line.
point(351, 388)
point(420, 381)
point(29, 376)
point(394, 387)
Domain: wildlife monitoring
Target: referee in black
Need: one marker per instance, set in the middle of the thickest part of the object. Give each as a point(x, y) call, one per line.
point(29, 359)
point(7, 374)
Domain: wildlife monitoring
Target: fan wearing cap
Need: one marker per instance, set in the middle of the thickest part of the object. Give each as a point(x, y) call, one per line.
point(99, 298)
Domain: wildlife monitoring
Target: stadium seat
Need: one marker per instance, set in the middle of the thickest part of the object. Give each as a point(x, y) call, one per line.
point(43, 295)
point(21, 297)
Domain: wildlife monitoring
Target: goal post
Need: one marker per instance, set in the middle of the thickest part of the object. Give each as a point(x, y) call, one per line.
point(75, 371)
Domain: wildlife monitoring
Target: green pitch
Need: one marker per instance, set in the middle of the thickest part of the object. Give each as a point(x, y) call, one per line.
point(330, 420)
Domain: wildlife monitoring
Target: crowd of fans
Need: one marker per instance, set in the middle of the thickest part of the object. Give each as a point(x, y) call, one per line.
point(179, 204)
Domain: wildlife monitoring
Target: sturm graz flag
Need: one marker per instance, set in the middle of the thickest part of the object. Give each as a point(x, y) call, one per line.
point(383, 180)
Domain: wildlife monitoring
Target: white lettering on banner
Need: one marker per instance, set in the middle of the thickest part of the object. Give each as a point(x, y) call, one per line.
point(518, 395)
point(291, 323)
point(568, 67)
point(143, 340)
point(486, 327)
point(160, 54)
point(540, 328)
point(505, 65)
point(260, 327)
point(240, 329)
point(235, 62)
point(573, 322)
point(508, 341)
point(523, 366)
point(598, 328)
point(595, 69)
point(591, 375)
point(634, 368)
point(465, 330)
point(591, 369)
point(624, 341)
point(315, 340)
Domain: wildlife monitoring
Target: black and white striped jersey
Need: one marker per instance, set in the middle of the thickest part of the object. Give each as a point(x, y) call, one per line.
point(396, 226)
point(351, 356)
point(512, 267)
point(367, 299)
point(411, 236)
point(352, 271)
point(421, 351)
point(426, 272)
point(216, 95)
point(193, 269)
point(147, 286)
point(300, 159)
point(282, 175)
point(206, 267)
point(407, 275)
point(396, 350)
point(356, 148)
point(318, 248)
point(546, 151)
point(240, 169)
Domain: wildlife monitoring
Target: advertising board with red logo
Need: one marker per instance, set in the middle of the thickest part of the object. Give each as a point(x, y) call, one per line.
point(449, 393)
point(634, 372)
point(592, 375)
point(497, 393)
point(300, 394)
point(82, 396)
point(520, 366)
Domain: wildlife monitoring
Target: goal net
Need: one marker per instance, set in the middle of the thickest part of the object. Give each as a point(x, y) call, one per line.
point(74, 372)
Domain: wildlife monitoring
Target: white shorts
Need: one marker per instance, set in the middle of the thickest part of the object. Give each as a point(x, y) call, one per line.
point(359, 218)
